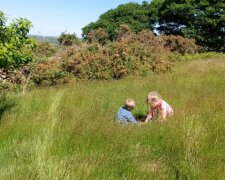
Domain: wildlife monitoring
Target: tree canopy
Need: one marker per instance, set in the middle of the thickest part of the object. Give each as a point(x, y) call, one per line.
point(132, 14)
point(203, 20)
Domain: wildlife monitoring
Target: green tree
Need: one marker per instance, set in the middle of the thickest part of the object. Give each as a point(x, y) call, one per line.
point(203, 20)
point(67, 39)
point(132, 14)
point(15, 46)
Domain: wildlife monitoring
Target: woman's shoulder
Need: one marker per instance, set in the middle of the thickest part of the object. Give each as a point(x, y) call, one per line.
point(164, 103)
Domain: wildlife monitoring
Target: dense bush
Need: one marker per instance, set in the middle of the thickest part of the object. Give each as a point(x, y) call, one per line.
point(131, 53)
point(48, 73)
point(67, 39)
point(15, 46)
point(180, 45)
point(98, 36)
point(44, 49)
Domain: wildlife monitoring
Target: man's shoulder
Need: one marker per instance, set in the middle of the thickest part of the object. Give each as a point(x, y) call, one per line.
point(124, 110)
point(121, 109)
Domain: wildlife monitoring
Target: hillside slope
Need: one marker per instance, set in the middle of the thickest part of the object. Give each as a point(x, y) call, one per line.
point(69, 132)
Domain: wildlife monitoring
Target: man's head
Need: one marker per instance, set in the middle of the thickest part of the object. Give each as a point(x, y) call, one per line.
point(130, 104)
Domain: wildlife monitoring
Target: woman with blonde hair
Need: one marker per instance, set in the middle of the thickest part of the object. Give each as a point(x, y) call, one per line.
point(157, 106)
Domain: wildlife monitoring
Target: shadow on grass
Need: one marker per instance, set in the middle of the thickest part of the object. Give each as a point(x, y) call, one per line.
point(140, 118)
point(5, 105)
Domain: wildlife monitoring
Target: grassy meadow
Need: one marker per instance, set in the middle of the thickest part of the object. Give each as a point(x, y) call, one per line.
point(68, 132)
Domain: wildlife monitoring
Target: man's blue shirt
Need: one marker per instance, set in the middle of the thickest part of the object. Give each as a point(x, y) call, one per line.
point(125, 116)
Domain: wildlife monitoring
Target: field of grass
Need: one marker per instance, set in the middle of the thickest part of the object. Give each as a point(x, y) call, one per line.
point(69, 132)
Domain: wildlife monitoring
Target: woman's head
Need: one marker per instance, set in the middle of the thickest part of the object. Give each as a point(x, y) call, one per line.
point(130, 104)
point(153, 98)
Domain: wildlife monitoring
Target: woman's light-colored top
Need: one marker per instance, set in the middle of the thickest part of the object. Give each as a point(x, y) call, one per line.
point(163, 107)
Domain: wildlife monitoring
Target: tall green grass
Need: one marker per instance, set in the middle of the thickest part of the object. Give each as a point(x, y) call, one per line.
point(69, 132)
point(199, 56)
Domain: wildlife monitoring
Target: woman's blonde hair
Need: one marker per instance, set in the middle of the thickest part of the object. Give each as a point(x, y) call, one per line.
point(153, 96)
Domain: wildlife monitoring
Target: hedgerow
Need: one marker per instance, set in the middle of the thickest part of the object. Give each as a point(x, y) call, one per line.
point(130, 54)
point(180, 45)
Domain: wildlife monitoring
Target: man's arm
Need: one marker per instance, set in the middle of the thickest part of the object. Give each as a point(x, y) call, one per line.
point(131, 118)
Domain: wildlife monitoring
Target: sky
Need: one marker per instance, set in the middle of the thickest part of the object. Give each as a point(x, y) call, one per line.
point(52, 17)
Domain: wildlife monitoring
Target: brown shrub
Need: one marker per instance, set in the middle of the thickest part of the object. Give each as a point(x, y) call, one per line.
point(44, 49)
point(179, 44)
point(131, 53)
point(48, 73)
point(98, 36)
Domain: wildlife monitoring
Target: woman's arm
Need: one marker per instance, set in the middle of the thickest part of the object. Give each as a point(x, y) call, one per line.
point(150, 115)
point(163, 113)
point(163, 110)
